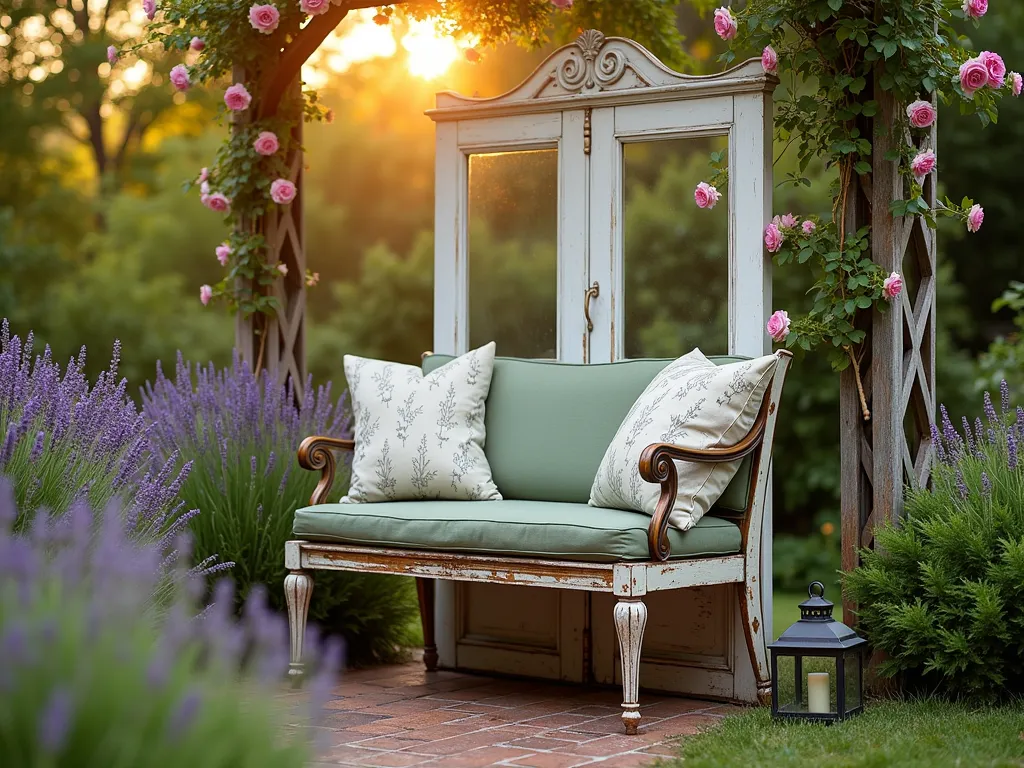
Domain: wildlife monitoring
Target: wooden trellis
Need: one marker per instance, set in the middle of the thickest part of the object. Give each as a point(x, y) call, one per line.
point(893, 449)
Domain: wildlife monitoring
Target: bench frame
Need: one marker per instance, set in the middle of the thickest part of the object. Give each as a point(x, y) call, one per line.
point(628, 581)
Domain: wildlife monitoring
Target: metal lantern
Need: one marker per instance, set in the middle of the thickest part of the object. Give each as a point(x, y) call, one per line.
point(826, 682)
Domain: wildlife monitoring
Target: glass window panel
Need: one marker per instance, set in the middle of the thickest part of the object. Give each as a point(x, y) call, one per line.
point(802, 687)
point(853, 692)
point(513, 252)
point(676, 255)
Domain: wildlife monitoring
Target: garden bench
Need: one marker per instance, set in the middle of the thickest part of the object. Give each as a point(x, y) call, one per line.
point(547, 427)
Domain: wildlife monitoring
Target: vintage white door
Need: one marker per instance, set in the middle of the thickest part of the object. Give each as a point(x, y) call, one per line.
point(568, 156)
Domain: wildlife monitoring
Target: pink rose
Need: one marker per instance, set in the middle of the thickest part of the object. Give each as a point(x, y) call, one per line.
point(315, 7)
point(237, 97)
point(223, 252)
point(770, 60)
point(973, 76)
point(204, 174)
point(921, 113)
point(204, 188)
point(282, 191)
point(975, 217)
point(778, 325)
point(706, 196)
point(217, 202)
point(788, 220)
point(149, 6)
point(809, 227)
point(266, 143)
point(196, 44)
point(112, 54)
point(205, 294)
point(923, 164)
point(892, 286)
point(563, 4)
point(282, 268)
point(179, 77)
point(725, 24)
point(996, 68)
point(773, 238)
point(264, 18)
point(975, 9)
point(1016, 82)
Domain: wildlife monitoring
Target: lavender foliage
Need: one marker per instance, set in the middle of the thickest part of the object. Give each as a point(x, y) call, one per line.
point(64, 440)
point(91, 674)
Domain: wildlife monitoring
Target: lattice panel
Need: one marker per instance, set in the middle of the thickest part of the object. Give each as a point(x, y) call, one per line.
point(893, 449)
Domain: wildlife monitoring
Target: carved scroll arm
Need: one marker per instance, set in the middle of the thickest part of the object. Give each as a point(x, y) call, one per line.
point(657, 465)
point(317, 453)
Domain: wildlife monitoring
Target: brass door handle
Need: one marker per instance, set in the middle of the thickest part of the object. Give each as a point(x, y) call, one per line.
point(591, 293)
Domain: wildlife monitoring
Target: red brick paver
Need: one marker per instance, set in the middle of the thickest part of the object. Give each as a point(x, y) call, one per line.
point(404, 716)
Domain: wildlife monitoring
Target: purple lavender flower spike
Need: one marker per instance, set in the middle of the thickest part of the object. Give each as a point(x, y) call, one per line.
point(986, 485)
point(184, 714)
point(1011, 451)
point(37, 448)
point(940, 450)
point(990, 410)
point(961, 486)
point(1004, 396)
point(55, 721)
point(979, 433)
point(968, 436)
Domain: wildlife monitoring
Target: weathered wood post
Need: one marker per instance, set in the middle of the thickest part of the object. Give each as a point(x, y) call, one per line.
point(892, 449)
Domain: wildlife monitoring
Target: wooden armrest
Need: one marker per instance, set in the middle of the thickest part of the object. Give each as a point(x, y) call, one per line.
point(657, 465)
point(317, 453)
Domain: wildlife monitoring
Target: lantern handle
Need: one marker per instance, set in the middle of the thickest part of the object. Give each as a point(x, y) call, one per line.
point(821, 589)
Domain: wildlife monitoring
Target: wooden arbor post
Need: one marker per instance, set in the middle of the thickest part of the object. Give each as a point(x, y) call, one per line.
point(893, 448)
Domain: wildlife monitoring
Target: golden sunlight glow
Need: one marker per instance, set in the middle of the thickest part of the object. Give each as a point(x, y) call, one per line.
point(429, 52)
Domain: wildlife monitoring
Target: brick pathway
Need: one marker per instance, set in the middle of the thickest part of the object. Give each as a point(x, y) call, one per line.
point(403, 716)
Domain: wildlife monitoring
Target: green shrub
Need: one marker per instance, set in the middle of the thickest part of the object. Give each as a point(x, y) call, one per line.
point(943, 594)
point(241, 433)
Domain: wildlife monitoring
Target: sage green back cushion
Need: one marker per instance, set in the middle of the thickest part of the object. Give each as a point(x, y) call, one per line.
point(549, 423)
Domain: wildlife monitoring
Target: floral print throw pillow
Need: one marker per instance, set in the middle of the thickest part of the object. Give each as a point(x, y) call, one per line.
point(420, 437)
point(692, 403)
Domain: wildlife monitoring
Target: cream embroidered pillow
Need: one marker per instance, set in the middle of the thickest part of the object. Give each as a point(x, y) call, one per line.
point(692, 403)
point(420, 437)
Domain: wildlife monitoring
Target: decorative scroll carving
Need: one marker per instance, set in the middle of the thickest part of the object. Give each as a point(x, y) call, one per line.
point(590, 66)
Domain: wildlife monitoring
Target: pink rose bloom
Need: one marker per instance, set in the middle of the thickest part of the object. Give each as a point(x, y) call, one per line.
point(975, 217)
point(974, 75)
point(282, 191)
point(196, 44)
point(223, 253)
point(266, 143)
point(706, 196)
point(975, 9)
point(149, 6)
point(892, 286)
point(205, 294)
point(778, 325)
point(179, 77)
point(1016, 82)
point(204, 188)
point(809, 227)
point(204, 174)
point(237, 97)
point(112, 54)
point(789, 220)
point(563, 4)
point(314, 7)
point(725, 23)
point(921, 113)
point(770, 60)
point(996, 68)
point(282, 268)
point(313, 279)
point(923, 164)
point(773, 238)
point(217, 202)
point(264, 18)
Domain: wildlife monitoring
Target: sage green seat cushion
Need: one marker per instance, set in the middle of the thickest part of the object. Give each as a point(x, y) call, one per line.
point(541, 529)
point(549, 423)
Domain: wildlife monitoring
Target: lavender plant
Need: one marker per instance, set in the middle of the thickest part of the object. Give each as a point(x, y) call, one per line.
point(943, 594)
point(91, 675)
point(62, 440)
point(241, 432)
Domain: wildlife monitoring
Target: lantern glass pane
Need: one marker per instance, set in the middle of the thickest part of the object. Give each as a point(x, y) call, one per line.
point(808, 685)
point(853, 676)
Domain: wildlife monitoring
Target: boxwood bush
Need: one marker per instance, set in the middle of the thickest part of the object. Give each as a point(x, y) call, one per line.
point(943, 593)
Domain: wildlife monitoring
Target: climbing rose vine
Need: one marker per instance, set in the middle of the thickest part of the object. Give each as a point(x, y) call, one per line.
point(838, 57)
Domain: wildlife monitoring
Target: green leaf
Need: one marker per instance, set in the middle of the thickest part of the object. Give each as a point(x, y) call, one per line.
point(863, 302)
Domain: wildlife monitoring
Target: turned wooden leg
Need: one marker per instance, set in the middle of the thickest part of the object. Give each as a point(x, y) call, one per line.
point(298, 587)
point(630, 620)
point(425, 592)
point(752, 613)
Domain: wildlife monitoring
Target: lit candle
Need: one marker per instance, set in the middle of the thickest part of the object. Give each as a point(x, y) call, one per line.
point(818, 699)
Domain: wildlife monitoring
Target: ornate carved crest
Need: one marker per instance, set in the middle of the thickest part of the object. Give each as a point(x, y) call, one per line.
point(590, 65)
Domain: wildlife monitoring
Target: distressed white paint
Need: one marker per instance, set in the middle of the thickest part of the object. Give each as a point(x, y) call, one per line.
point(630, 620)
point(298, 588)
